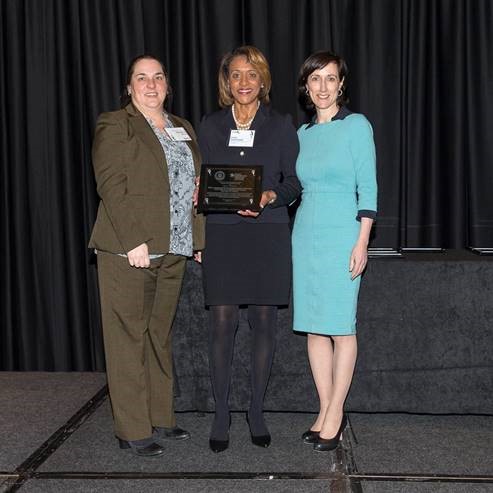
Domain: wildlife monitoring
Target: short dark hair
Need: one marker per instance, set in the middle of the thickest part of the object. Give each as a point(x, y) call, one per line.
point(125, 97)
point(316, 61)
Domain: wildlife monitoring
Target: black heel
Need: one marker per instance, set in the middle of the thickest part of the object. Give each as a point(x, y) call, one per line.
point(326, 444)
point(259, 440)
point(218, 446)
point(123, 444)
point(352, 431)
point(150, 450)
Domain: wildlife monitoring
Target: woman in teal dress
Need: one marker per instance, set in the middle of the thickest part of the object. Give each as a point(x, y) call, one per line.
point(336, 167)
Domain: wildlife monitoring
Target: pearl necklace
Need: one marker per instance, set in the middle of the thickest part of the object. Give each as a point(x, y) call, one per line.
point(246, 125)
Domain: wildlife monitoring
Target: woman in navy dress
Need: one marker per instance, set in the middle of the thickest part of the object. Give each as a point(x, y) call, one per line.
point(247, 260)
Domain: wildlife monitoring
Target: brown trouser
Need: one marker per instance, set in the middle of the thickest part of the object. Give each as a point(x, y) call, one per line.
point(138, 307)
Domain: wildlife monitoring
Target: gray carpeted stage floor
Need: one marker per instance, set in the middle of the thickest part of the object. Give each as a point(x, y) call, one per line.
point(393, 452)
point(93, 447)
point(35, 405)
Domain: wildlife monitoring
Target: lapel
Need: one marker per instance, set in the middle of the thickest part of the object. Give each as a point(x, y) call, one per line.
point(227, 123)
point(147, 136)
point(260, 117)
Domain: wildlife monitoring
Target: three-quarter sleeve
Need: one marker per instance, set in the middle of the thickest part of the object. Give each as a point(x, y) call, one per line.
point(363, 152)
point(109, 160)
point(290, 188)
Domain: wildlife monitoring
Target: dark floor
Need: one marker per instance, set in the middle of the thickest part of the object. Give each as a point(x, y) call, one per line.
point(393, 453)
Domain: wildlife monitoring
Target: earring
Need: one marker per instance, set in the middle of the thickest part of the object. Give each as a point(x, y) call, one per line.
point(262, 86)
point(307, 92)
point(339, 92)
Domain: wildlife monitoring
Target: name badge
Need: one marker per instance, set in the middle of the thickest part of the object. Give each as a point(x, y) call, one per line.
point(178, 134)
point(241, 138)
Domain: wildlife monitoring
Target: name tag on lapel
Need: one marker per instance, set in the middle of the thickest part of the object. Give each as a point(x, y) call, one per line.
point(178, 134)
point(241, 138)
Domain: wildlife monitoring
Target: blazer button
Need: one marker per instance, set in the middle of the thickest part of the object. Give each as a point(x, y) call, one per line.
point(242, 153)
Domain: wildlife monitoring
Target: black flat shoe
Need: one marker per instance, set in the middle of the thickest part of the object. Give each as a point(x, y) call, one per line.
point(310, 436)
point(151, 450)
point(171, 433)
point(326, 444)
point(259, 440)
point(218, 446)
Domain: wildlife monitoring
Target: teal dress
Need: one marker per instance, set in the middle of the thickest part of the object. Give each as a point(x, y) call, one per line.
point(336, 168)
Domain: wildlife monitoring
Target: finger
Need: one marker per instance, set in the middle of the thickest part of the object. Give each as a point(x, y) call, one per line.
point(361, 266)
point(263, 200)
point(248, 213)
point(351, 263)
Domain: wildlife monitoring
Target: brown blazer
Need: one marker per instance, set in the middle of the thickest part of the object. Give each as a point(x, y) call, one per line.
point(132, 182)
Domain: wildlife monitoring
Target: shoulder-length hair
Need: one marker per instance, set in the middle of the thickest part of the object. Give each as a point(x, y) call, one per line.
point(257, 59)
point(316, 61)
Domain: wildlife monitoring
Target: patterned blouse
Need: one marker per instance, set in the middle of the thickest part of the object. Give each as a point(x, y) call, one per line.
point(181, 174)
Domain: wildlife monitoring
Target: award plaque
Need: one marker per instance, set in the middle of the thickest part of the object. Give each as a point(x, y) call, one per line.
point(228, 188)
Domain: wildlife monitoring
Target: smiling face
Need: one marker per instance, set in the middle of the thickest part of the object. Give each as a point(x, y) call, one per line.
point(323, 86)
point(148, 85)
point(244, 81)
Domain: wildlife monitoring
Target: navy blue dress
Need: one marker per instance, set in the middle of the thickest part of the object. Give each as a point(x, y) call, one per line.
point(248, 260)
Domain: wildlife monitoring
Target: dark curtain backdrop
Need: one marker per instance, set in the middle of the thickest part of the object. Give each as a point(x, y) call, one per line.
point(421, 70)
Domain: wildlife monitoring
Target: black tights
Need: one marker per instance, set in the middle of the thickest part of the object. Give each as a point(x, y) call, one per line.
point(223, 322)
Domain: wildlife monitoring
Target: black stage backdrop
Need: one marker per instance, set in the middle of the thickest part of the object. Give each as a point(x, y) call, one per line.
point(421, 70)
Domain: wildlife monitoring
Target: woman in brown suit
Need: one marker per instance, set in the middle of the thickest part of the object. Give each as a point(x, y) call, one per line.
point(146, 161)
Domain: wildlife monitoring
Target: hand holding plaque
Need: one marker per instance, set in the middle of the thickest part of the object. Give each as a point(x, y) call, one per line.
point(227, 188)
